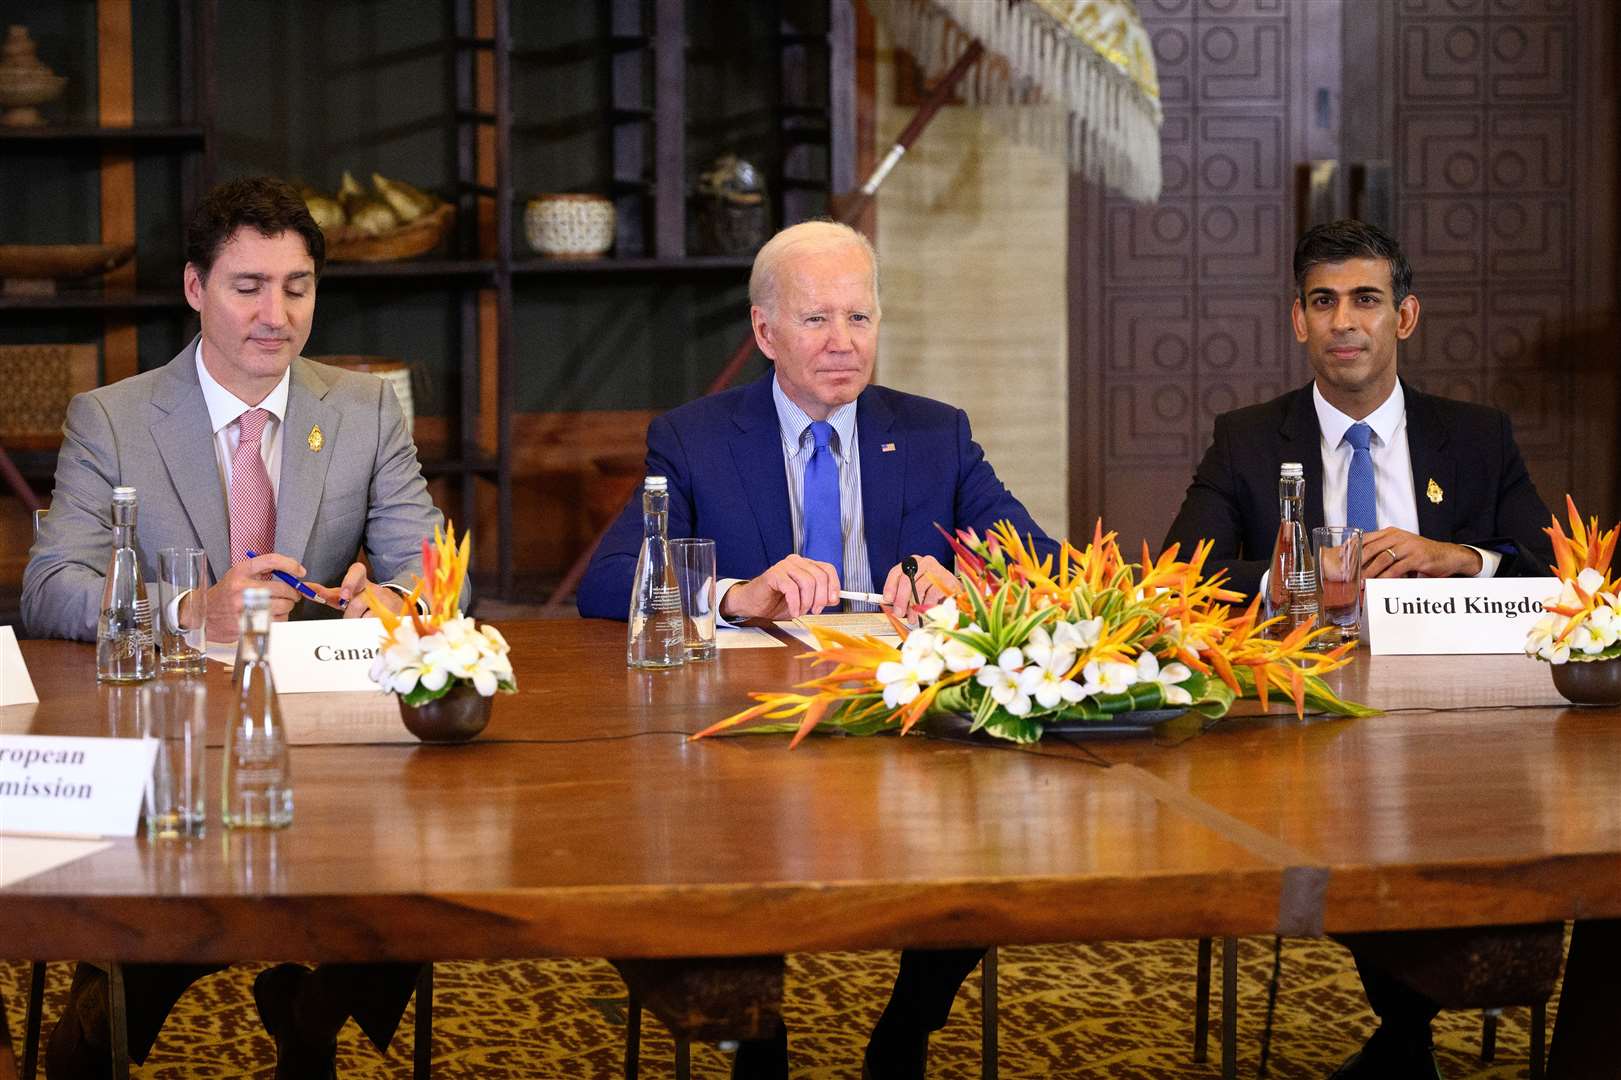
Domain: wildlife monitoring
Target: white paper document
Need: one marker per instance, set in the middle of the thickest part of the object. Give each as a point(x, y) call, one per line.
point(16, 688)
point(745, 637)
point(24, 856)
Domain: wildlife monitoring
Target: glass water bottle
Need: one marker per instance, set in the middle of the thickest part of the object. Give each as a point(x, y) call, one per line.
point(657, 638)
point(126, 651)
point(257, 789)
point(1291, 588)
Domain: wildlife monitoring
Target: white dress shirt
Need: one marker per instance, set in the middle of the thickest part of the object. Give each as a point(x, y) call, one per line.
point(225, 411)
point(793, 425)
point(1396, 503)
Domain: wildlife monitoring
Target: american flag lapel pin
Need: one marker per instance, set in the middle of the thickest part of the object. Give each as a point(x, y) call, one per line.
point(887, 448)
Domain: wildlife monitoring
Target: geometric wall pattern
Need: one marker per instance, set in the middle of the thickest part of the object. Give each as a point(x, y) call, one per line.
point(1486, 123)
point(1179, 310)
point(1183, 305)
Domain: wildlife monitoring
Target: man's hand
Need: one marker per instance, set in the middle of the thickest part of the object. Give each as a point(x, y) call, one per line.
point(1393, 552)
point(791, 588)
point(224, 620)
point(353, 590)
point(932, 582)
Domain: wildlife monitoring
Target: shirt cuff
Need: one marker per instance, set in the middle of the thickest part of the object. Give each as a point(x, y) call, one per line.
point(1489, 561)
point(721, 586)
point(422, 605)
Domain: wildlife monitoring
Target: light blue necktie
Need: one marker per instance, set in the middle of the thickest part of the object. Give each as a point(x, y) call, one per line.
point(1361, 506)
point(824, 527)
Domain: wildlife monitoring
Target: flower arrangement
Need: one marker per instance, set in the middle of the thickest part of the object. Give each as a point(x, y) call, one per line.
point(1023, 642)
point(425, 656)
point(1583, 622)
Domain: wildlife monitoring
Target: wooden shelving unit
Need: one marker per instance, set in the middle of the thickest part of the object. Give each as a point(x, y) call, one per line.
point(644, 55)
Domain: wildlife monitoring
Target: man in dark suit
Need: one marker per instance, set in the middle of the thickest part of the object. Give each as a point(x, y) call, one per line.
point(1438, 487)
point(811, 480)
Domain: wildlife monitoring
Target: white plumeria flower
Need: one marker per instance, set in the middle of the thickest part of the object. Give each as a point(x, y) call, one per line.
point(1042, 650)
point(1149, 670)
point(1048, 685)
point(960, 656)
point(1078, 635)
point(921, 643)
point(903, 681)
point(1108, 677)
point(942, 616)
point(1590, 580)
point(1002, 679)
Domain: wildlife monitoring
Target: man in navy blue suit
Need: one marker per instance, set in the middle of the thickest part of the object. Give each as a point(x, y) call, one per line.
point(812, 480)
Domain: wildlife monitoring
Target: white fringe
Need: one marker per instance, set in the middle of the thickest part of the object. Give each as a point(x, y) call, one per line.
point(1112, 133)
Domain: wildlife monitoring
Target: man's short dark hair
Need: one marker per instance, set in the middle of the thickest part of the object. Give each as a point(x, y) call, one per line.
point(1339, 241)
point(268, 205)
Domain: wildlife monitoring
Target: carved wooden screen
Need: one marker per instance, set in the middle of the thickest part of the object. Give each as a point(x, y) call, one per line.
point(1178, 311)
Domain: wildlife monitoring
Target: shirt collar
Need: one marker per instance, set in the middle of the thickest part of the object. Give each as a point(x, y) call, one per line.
point(225, 407)
point(792, 421)
point(1385, 421)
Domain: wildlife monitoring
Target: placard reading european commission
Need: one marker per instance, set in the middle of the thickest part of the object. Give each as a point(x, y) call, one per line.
point(1408, 616)
point(71, 786)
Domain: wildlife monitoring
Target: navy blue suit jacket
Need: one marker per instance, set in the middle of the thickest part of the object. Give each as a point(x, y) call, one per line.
point(723, 457)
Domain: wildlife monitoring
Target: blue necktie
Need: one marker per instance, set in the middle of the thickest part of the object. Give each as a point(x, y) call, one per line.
point(824, 527)
point(1361, 507)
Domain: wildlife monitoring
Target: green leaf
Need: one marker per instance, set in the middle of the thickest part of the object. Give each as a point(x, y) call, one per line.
point(1019, 729)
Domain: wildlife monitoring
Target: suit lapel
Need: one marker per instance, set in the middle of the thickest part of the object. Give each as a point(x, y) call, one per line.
point(303, 469)
point(757, 451)
point(1302, 441)
point(881, 481)
point(1427, 436)
point(184, 437)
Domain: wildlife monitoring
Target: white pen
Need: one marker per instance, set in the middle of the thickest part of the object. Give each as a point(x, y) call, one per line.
point(863, 597)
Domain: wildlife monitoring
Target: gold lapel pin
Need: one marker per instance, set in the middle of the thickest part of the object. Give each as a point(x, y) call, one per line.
point(1434, 492)
point(317, 440)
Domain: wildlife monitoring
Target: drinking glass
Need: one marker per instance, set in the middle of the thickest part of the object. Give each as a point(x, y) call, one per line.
point(1338, 549)
point(183, 606)
point(694, 562)
point(175, 801)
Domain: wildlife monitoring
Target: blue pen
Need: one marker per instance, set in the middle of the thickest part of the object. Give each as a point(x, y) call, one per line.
point(299, 585)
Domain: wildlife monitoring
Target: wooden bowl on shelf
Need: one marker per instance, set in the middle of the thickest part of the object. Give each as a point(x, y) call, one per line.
point(34, 269)
point(406, 242)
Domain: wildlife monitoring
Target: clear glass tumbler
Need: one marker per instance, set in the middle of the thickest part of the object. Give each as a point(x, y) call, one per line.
point(694, 563)
point(1338, 551)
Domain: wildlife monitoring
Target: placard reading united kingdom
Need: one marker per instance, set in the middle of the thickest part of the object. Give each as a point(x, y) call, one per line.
point(1419, 616)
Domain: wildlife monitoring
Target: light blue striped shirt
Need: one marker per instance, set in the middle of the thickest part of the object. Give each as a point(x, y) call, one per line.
point(797, 446)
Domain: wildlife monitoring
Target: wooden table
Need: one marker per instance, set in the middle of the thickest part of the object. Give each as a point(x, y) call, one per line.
point(582, 823)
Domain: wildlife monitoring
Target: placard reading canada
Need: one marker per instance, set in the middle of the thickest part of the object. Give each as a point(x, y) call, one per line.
point(1418, 616)
point(70, 786)
point(324, 655)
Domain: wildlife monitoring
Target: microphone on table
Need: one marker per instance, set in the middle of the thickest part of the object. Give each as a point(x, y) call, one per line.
point(909, 568)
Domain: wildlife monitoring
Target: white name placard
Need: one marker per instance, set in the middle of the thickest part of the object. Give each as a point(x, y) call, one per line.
point(72, 786)
point(16, 688)
point(324, 655)
point(1409, 616)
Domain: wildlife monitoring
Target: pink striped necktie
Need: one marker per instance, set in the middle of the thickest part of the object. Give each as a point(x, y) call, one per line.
point(253, 503)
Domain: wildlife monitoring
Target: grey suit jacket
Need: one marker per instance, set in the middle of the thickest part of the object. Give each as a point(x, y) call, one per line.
point(152, 432)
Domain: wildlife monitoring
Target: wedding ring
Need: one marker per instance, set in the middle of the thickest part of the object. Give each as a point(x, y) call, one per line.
point(1392, 553)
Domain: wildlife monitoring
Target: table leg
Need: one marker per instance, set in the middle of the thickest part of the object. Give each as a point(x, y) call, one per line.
point(710, 999)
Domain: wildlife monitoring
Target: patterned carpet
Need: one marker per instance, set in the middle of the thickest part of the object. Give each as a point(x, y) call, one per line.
point(1120, 1010)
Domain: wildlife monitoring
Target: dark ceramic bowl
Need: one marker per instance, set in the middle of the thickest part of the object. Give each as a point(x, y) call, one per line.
point(1589, 682)
point(457, 717)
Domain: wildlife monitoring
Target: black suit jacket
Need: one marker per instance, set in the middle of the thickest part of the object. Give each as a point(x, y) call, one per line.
point(1487, 498)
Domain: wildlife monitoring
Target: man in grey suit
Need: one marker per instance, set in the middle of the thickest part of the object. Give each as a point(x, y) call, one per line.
point(238, 444)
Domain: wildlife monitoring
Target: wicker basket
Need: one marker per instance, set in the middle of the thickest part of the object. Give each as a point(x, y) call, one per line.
point(406, 242)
